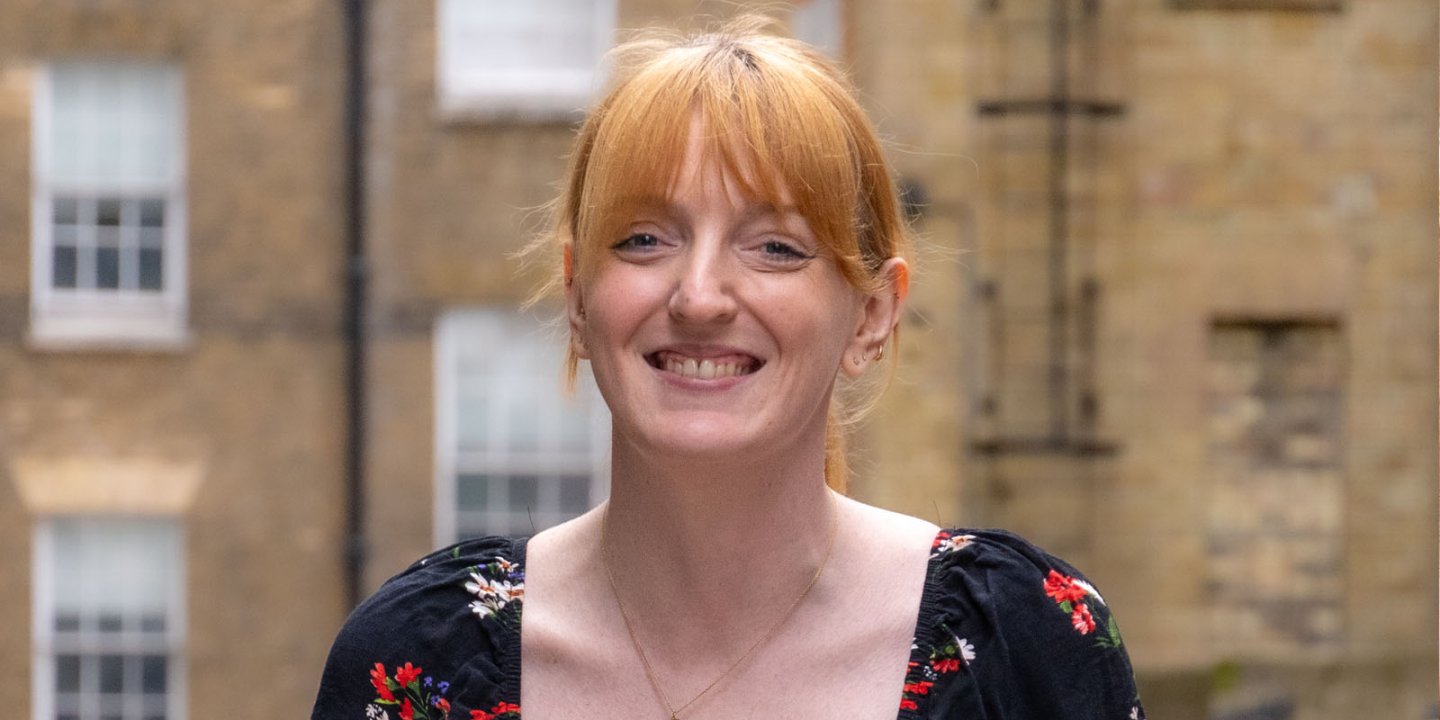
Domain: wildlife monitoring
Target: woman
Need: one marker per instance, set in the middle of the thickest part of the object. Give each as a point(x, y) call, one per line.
point(729, 247)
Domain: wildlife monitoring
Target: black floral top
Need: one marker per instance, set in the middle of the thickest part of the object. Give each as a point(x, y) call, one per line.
point(1005, 631)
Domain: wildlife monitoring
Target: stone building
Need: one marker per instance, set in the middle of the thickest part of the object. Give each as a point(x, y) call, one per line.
point(1174, 319)
point(171, 356)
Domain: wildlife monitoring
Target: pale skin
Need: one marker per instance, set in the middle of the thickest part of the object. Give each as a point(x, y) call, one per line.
point(719, 515)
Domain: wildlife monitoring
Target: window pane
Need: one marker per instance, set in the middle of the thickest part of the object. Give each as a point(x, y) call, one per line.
point(67, 622)
point(107, 267)
point(67, 211)
point(111, 623)
point(63, 266)
point(67, 673)
point(113, 122)
point(152, 213)
point(122, 566)
point(473, 492)
point(152, 623)
point(151, 269)
point(153, 674)
point(574, 494)
point(107, 213)
point(112, 673)
point(524, 492)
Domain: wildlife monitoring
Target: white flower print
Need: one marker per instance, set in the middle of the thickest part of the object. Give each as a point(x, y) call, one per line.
point(967, 650)
point(951, 543)
point(493, 595)
point(373, 712)
point(1087, 587)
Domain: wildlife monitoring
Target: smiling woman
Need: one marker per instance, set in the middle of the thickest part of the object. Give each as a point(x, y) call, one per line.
point(730, 251)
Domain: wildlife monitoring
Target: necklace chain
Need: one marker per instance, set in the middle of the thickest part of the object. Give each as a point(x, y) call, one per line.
point(635, 641)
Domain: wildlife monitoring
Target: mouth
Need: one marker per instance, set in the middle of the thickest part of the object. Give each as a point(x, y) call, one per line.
point(704, 368)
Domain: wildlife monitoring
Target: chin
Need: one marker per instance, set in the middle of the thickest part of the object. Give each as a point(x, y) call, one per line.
point(706, 439)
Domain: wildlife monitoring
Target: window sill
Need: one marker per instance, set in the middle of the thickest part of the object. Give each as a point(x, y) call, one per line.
point(107, 334)
point(563, 111)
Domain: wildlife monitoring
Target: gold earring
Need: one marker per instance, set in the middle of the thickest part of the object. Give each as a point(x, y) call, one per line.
point(880, 352)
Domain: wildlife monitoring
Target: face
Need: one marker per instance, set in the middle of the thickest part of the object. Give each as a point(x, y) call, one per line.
point(716, 324)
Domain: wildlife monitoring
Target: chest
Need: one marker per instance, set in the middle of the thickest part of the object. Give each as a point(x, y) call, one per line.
point(834, 675)
point(847, 659)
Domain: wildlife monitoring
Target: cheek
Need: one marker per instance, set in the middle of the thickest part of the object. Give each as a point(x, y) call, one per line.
point(617, 302)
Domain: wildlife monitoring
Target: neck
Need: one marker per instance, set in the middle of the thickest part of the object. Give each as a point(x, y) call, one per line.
point(681, 541)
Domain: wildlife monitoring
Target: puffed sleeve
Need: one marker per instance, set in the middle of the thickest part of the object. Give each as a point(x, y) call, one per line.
point(436, 641)
point(1009, 632)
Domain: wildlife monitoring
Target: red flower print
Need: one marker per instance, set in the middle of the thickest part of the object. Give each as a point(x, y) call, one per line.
point(444, 705)
point(908, 704)
point(495, 712)
point(1082, 619)
point(407, 712)
point(406, 675)
point(1063, 588)
point(940, 537)
point(377, 678)
point(944, 665)
point(918, 688)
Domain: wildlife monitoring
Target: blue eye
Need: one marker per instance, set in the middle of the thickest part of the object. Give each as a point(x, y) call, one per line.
point(636, 240)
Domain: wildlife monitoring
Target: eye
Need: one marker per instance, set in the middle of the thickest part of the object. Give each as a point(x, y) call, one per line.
point(637, 241)
point(784, 252)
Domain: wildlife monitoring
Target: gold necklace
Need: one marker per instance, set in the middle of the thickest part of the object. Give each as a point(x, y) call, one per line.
point(635, 641)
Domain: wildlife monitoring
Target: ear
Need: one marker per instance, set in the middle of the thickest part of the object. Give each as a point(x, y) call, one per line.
point(574, 306)
point(878, 317)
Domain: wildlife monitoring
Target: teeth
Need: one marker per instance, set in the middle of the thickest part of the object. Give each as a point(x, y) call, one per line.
point(703, 369)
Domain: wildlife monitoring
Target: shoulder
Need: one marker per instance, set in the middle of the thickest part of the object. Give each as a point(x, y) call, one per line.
point(443, 633)
point(1030, 633)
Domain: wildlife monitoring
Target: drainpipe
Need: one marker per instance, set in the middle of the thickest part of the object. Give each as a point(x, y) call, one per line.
point(356, 276)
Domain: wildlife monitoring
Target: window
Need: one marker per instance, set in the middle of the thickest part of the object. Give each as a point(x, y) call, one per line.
point(537, 59)
point(515, 454)
point(1276, 519)
point(107, 263)
point(108, 621)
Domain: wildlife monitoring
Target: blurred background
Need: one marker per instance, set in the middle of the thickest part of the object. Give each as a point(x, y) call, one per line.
point(261, 345)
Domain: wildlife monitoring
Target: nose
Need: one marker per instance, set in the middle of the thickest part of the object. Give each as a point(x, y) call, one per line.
point(704, 288)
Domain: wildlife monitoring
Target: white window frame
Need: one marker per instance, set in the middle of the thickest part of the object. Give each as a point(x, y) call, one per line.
point(540, 95)
point(45, 644)
point(69, 318)
point(450, 337)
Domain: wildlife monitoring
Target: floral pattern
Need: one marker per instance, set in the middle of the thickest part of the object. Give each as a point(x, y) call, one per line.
point(945, 542)
point(499, 589)
point(411, 698)
point(944, 666)
point(499, 712)
point(1074, 596)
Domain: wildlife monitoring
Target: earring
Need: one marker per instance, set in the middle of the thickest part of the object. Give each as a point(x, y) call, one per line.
point(880, 352)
